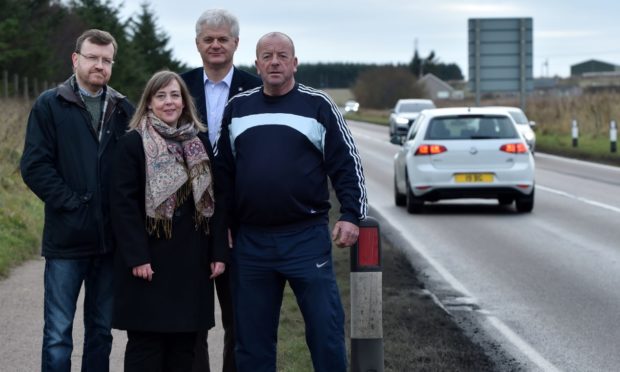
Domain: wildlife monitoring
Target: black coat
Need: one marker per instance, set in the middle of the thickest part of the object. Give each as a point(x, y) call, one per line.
point(69, 169)
point(180, 296)
point(241, 81)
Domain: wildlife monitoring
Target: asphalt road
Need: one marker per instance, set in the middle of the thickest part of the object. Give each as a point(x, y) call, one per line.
point(545, 284)
point(21, 325)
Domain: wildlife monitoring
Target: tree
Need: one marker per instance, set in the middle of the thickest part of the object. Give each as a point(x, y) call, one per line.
point(381, 87)
point(416, 65)
point(149, 49)
point(26, 29)
point(152, 44)
point(419, 67)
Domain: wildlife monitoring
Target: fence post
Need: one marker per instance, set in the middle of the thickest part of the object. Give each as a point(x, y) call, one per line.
point(575, 133)
point(35, 89)
point(25, 87)
point(366, 300)
point(5, 83)
point(613, 135)
point(16, 82)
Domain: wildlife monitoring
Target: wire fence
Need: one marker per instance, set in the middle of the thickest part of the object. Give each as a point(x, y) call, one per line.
point(15, 86)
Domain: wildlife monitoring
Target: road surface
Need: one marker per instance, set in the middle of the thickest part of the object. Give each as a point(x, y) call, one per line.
point(545, 284)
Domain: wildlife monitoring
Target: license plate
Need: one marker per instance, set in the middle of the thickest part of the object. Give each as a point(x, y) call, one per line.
point(473, 177)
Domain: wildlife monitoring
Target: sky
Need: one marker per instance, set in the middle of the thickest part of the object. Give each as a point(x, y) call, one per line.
point(566, 32)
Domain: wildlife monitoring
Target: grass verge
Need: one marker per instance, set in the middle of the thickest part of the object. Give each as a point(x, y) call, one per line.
point(589, 148)
point(21, 213)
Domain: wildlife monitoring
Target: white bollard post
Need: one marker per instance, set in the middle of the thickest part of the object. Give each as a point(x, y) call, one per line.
point(613, 135)
point(575, 133)
point(366, 300)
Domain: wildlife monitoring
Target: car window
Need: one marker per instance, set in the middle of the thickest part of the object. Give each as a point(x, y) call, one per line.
point(519, 117)
point(415, 107)
point(414, 128)
point(471, 127)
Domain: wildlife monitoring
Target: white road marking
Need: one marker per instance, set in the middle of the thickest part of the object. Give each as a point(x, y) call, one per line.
point(521, 345)
point(577, 161)
point(579, 198)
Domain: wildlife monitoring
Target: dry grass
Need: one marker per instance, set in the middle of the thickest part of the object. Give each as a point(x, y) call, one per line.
point(592, 112)
point(554, 115)
point(14, 117)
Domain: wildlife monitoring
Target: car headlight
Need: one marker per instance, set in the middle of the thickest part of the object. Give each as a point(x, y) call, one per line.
point(402, 121)
point(529, 136)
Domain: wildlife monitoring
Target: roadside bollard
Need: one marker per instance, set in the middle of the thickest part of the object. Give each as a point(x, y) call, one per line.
point(613, 136)
point(575, 133)
point(366, 300)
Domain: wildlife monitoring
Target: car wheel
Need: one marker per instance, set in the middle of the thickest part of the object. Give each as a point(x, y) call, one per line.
point(414, 203)
point(525, 203)
point(399, 198)
point(505, 200)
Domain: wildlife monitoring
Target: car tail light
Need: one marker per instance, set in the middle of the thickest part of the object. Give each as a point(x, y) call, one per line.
point(430, 149)
point(514, 148)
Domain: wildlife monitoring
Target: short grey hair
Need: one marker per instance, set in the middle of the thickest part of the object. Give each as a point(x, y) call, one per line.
point(218, 18)
point(276, 34)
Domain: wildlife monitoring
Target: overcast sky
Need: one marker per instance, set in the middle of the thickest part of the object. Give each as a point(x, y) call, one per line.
point(384, 31)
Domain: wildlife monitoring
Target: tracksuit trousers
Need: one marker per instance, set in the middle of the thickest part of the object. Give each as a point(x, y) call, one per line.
point(263, 261)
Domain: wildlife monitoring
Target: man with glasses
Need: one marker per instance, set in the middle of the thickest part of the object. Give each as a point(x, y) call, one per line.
point(71, 136)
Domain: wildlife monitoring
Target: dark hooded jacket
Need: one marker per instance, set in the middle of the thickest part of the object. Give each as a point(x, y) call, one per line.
point(69, 168)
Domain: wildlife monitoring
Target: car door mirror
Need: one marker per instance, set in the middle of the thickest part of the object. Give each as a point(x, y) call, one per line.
point(532, 124)
point(396, 139)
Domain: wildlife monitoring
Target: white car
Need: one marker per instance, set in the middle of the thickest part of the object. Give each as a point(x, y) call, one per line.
point(351, 106)
point(405, 113)
point(464, 152)
point(525, 126)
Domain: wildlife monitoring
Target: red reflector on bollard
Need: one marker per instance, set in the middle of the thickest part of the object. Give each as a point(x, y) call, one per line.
point(368, 247)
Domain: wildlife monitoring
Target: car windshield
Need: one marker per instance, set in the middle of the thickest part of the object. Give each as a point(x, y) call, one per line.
point(415, 107)
point(471, 127)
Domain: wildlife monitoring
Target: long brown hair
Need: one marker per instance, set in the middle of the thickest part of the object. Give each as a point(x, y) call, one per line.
point(158, 81)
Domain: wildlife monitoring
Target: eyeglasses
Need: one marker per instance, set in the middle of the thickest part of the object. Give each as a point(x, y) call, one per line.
point(107, 62)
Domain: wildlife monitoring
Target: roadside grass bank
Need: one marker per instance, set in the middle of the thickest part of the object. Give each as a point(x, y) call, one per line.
point(596, 149)
point(418, 334)
point(21, 212)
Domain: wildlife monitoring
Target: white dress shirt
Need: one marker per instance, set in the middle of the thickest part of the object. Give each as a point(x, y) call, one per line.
point(216, 96)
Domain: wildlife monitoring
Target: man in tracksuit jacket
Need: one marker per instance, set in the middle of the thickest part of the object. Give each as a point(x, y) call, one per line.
point(279, 145)
point(70, 139)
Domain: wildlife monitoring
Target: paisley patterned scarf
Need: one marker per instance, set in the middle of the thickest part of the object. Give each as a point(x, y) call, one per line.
point(177, 165)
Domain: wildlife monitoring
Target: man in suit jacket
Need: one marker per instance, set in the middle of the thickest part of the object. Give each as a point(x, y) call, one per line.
point(217, 39)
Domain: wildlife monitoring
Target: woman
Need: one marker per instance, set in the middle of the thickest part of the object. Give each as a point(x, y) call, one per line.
point(171, 242)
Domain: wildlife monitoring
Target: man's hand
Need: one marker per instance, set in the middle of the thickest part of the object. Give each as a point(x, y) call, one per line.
point(217, 268)
point(143, 271)
point(345, 234)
